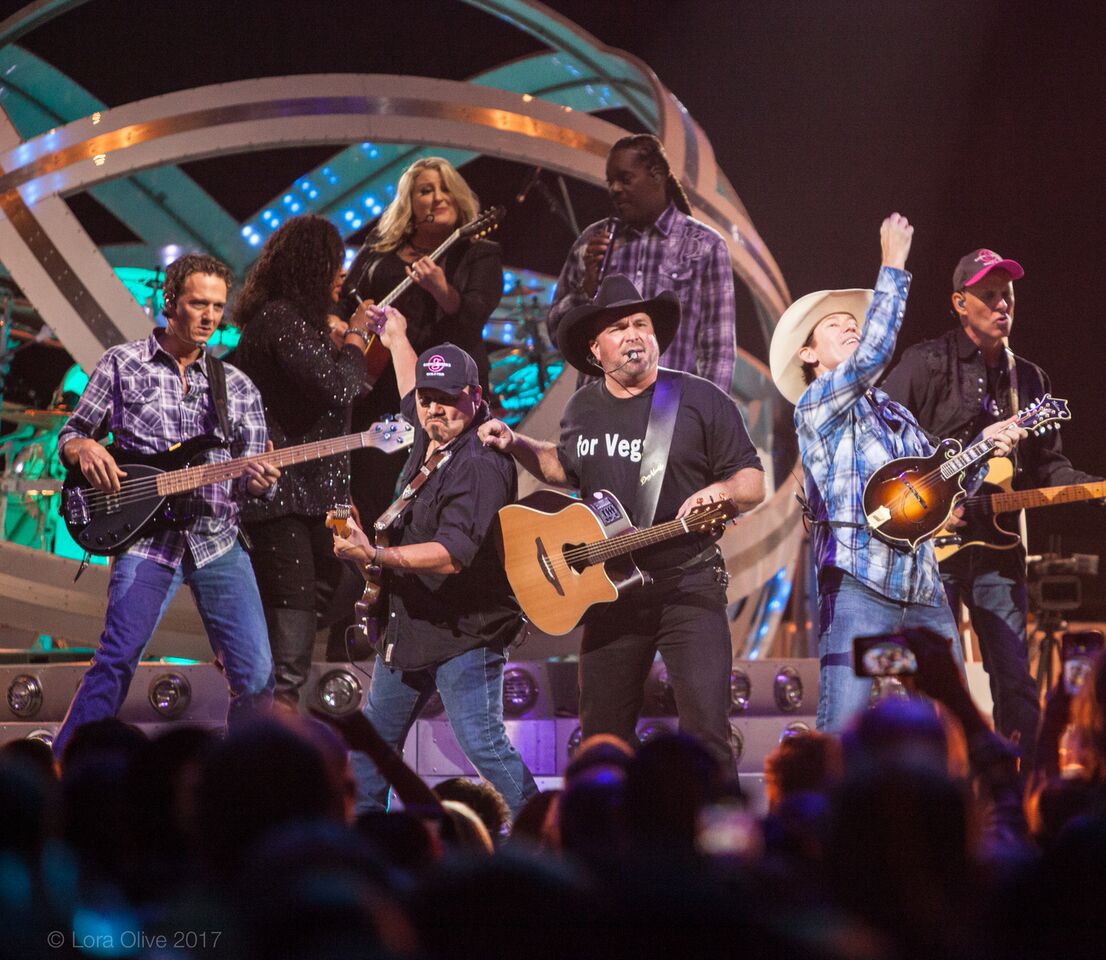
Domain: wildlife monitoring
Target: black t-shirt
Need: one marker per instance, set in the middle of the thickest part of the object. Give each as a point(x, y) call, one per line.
point(433, 617)
point(601, 448)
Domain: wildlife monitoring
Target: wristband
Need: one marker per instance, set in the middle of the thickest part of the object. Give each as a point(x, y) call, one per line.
point(362, 335)
point(378, 553)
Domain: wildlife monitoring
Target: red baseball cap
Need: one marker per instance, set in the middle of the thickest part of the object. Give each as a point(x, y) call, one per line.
point(974, 266)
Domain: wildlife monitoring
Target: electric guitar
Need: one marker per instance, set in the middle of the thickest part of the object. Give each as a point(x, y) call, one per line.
point(909, 499)
point(376, 354)
point(985, 510)
point(562, 556)
point(107, 523)
point(368, 611)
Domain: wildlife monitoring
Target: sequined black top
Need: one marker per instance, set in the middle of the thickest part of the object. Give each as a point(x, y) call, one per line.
point(307, 387)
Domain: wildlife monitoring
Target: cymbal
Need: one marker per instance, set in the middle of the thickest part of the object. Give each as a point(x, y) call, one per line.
point(27, 416)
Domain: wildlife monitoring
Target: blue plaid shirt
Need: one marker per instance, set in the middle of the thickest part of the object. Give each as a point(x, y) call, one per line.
point(136, 393)
point(847, 430)
point(678, 253)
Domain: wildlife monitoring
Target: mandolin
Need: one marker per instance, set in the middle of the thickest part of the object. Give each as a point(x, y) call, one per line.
point(108, 523)
point(908, 500)
point(562, 556)
point(376, 354)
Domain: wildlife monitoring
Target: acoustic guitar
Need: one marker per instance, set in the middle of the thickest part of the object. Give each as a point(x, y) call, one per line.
point(376, 354)
point(108, 523)
point(988, 512)
point(906, 501)
point(563, 556)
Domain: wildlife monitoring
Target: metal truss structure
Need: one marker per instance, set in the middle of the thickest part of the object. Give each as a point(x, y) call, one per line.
point(57, 140)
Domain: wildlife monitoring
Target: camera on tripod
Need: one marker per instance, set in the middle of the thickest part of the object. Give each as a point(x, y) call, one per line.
point(1054, 581)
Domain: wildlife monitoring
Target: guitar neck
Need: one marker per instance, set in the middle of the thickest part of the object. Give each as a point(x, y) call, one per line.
point(401, 287)
point(1047, 496)
point(603, 550)
point(966, 458)
point(192, 478)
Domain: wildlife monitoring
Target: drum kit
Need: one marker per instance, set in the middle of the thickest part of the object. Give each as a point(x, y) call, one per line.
point(31, 474)
point(523, 362)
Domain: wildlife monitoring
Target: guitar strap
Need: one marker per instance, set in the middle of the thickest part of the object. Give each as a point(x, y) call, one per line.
point(407, 497)
point(217, 380)
point(658, 444)
point(384, 522)
point(1012, 370)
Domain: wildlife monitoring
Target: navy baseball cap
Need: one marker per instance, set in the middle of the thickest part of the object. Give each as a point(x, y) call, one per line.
point(447, 368)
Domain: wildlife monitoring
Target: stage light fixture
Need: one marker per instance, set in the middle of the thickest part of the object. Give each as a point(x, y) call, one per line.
point(737, 741)
point(339, 692)
point(170, 694)
point(796, 728)
point(741, 691)
point(651, 731)
point(520, 691)
point(788, 689)
point(574, 740)
point(25, 696)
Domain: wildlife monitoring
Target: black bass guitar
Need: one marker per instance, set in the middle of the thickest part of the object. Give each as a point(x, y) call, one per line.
point(910, 499)
point(107, 523)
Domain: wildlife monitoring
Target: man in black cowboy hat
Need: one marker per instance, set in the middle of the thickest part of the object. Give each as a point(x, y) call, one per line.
point(704, 454)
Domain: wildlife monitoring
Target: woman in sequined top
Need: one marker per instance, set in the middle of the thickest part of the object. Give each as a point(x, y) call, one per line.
point(308, 383)
point(448, 301)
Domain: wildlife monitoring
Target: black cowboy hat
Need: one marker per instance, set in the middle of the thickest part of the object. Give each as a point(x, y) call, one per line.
point(617, 297)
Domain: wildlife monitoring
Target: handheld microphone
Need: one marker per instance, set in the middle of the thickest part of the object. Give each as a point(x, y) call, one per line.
point(613, 223)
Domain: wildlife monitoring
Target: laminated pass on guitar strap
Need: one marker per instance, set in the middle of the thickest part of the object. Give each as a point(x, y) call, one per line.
point(369, 608)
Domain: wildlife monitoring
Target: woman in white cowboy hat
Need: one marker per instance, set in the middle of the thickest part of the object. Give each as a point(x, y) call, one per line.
point(828, 351)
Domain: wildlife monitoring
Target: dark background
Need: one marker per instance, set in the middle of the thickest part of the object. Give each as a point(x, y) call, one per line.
point(981, 122)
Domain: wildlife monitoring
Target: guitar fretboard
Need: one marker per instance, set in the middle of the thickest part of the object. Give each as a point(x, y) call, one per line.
point(192, 478)
point(603, 550)
point(1045, 496)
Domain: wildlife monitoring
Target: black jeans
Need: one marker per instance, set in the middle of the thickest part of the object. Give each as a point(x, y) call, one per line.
point(686, 622)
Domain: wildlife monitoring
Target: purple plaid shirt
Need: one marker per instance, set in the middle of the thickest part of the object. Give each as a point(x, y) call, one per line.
point(676, 253)
point(136, 393)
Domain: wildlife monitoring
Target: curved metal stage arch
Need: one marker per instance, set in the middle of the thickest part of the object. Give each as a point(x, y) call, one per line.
point(534, 110)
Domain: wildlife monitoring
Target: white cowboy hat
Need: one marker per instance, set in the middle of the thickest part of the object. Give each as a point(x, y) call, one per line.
point(795, 325)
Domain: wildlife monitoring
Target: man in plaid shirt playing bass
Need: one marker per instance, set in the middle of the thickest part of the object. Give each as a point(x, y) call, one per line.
point(151, 394)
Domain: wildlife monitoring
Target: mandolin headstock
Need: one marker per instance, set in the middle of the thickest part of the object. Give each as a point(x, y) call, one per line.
point(1044, 414)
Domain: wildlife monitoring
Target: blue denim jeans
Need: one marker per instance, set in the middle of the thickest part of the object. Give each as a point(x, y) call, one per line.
point(992, 586)
point(847, 610)
point(471, 687)
point(139, 592)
